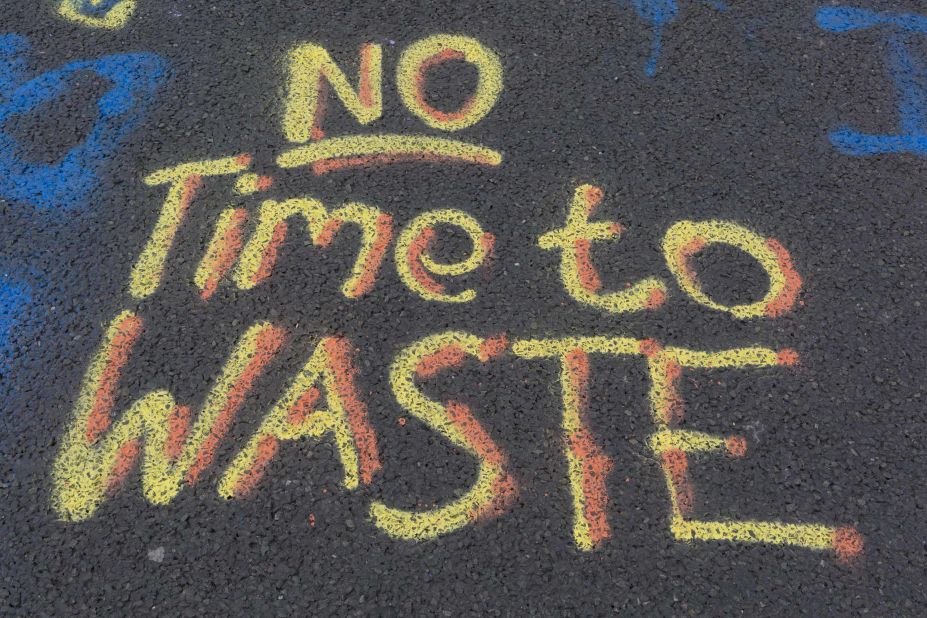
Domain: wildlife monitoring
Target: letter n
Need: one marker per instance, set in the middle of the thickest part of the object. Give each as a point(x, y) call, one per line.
point(311, 68)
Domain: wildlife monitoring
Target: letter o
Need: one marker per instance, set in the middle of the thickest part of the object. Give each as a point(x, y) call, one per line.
point(422, 55)
point(687, 238)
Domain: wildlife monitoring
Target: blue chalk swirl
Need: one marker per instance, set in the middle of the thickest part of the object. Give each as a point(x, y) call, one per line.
point(908, 72)
point(68, 183)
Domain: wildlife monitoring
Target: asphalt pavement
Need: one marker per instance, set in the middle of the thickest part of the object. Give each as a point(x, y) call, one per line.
point(572, 307)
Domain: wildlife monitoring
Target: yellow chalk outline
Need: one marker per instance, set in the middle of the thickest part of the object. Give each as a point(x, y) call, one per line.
point(115, 18)
point(389, 144)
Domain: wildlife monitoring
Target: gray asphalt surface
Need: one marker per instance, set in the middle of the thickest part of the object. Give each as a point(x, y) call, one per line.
point(733, 125)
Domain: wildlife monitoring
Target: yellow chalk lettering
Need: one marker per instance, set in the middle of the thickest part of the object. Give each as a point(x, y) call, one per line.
point(184, 180)
point(422, 55)
point(415, 265)
point(587, 465)
point(493, 486)
point(686, 238)
point(310, 64)
point(221, 252)
point(295, 416)
point(672, 445)
point(95, 456)
point(259, 254)
point(579, 275)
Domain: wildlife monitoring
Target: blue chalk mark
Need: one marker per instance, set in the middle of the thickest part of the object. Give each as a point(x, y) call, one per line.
point(659, 14)
point(67, 184)
point(14, 297)
point(846, 19)
point(656, 44)
point(911, 81)
point(907, 71)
